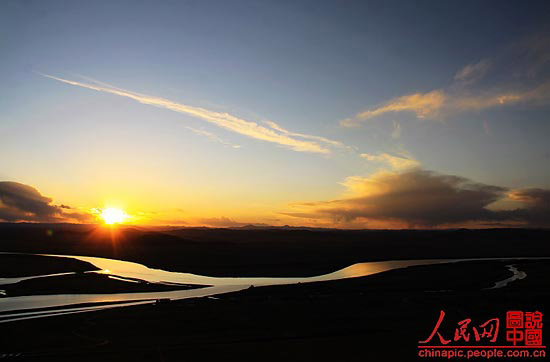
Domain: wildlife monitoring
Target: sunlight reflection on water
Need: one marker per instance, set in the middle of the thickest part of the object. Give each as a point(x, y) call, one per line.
point(138, 271)
point(213, 285)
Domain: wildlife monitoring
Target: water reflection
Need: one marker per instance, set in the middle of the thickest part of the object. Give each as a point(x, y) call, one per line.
point(48, 301)
point(132, 270)
point(215, 285)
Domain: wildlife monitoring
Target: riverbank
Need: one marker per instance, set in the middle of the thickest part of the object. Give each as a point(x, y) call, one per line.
point(20, 265)
point(25, 275)
point(382, 316)
point(85, 283)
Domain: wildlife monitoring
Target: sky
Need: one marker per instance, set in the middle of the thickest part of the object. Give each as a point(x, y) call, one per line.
point(348, 114)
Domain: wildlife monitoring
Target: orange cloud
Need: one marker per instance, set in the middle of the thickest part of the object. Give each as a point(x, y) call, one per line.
point(422, 104)
point(396, 162)
point(521, 79)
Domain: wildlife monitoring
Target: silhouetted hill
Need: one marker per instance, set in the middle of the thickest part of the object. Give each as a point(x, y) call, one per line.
point(268, 251)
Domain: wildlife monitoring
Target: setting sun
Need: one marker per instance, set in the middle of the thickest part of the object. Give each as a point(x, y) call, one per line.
point(113, 215)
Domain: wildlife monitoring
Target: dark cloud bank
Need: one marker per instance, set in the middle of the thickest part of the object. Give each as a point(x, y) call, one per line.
point(20, 202)
point(420, 198)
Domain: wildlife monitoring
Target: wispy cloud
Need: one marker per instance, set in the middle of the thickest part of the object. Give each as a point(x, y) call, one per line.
point(472, 72)
point(212, 137)
point(422, 104)
point(513, 77)
point(439, 103)
point(295, 141)
point(278, 128)
point(491, 99)
point(396, 162)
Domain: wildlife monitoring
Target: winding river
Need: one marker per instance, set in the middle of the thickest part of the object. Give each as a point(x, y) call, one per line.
point(25, 307)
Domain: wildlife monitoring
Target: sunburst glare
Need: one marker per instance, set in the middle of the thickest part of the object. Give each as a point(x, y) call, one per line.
point(111, 216)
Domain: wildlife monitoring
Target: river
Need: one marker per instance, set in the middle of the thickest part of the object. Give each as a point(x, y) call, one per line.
point(25, 307)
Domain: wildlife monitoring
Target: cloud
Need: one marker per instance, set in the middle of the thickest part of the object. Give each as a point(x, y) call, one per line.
point(518, 75)
point(219, 222)
point(438, 103)
point(396, 162)
point(212, 137)
point(224, 222)
point(535, 210)
point(294, 141)
point(473, 72)
point(490, 99)
point(537, 205)
point(539, 198)
point(422, 104)
point(277, 127)
point(20, 202)
point(420, 198)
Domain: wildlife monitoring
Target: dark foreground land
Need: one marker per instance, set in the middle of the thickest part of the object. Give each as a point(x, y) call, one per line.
point(380, 318)
point(58, 275)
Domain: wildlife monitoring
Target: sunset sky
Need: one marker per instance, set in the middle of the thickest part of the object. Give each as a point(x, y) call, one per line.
point(365, 114)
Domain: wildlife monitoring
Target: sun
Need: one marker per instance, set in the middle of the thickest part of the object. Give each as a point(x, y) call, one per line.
point(111, 215)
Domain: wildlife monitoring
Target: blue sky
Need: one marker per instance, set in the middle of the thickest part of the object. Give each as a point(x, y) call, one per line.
point(307, 66)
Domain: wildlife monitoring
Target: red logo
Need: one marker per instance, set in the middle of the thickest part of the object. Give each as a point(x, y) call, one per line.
point(522, 337)
point(484, 331)
point(524, 328)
